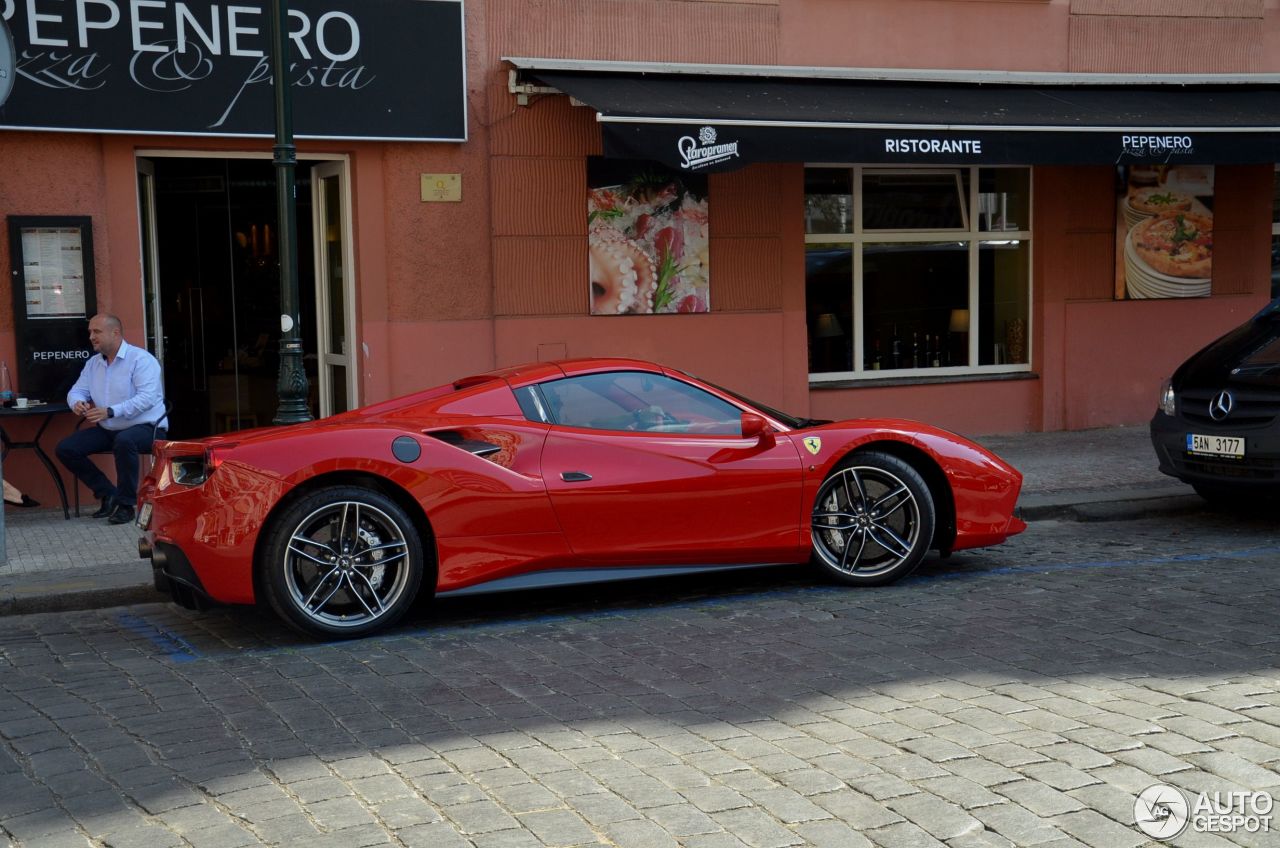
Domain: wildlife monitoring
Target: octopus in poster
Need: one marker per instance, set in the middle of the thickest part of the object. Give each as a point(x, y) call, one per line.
point(648, 248)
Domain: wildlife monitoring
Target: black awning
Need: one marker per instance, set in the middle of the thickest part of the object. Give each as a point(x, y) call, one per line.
point(704, 121)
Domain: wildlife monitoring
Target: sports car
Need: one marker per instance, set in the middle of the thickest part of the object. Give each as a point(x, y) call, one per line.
point(551, 474)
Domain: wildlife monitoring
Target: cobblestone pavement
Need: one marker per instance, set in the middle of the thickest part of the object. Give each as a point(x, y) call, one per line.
point(39, 541)
point(1021, 695)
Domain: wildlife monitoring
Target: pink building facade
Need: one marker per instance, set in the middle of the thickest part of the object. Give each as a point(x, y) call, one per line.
point(980, 294)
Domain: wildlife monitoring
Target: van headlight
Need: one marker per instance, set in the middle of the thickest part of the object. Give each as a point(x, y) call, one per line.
point(1168, 400)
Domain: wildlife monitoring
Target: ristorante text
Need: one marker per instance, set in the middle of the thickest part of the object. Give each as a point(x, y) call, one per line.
point(933, 145)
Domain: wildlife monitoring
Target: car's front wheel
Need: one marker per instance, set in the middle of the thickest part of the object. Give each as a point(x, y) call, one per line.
point(873, 520)
point(343, 561)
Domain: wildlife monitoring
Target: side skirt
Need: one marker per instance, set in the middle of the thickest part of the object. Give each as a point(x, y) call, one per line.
point(581, 576)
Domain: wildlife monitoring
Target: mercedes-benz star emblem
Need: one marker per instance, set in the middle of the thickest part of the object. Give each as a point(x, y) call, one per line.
point(1221, 405)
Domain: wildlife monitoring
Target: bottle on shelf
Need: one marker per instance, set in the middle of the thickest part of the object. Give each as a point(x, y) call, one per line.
point(915, 350)
point(6, 385)
point(895, 349)
point(935, 357)
point(876, 359)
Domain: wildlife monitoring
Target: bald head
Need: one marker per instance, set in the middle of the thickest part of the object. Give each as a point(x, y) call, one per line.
point(105, 334)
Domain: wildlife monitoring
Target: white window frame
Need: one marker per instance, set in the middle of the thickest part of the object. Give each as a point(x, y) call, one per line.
point(970, 234)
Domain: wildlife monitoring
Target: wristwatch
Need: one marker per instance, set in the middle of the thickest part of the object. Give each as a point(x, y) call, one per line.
point(111, 413)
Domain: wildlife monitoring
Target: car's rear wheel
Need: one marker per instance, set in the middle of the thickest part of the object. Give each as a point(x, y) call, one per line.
point(344, 561)
point(873, 520)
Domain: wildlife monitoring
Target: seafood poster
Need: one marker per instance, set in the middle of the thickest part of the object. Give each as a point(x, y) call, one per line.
point(647, 237)
point(1164, 231)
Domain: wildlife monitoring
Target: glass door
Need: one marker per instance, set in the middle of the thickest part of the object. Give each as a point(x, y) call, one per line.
point(335, 315)
point(151, 314)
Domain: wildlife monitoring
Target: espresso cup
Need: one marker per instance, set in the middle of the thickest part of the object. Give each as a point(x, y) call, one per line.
point(21, 403)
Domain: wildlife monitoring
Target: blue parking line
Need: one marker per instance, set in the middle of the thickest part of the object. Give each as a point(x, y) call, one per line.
point(173, 646)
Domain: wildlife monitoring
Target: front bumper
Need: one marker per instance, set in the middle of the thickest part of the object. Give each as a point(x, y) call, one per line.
point(1258, 469)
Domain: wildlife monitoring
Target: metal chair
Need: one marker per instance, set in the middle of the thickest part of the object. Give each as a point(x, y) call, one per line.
point(147, 458)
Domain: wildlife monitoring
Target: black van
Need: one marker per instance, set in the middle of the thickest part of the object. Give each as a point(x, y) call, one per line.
point(1218, 422)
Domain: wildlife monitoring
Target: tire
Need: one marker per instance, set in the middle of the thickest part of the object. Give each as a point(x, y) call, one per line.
point(1241, 499)
point(872, 520)
point(343, 562)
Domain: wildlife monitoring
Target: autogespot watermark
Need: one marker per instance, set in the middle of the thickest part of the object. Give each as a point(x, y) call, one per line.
point(1164, 812)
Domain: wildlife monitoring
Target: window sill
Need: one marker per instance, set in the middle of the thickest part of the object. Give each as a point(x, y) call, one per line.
point(884, 382)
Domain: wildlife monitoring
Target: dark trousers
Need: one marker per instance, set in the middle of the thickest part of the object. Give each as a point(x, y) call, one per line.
point(74, 451)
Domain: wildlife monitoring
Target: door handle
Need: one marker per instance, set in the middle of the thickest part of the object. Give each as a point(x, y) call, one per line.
point(574, 476)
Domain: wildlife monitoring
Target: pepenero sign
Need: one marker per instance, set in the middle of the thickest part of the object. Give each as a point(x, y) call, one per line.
point(359, 69)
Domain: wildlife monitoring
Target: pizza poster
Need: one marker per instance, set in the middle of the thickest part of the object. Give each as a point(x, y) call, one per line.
point(1164, 231)
point(647, 239)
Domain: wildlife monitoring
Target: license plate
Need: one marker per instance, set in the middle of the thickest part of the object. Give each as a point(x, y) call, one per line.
point(1232, 446)
point(144, 516)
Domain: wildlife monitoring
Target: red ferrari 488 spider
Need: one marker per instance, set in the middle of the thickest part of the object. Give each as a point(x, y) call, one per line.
point(551, 474)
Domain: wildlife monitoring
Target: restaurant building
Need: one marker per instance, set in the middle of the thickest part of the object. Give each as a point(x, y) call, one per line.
point(996, 216)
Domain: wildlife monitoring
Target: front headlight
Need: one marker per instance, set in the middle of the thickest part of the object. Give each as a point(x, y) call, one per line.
point(1168, 400)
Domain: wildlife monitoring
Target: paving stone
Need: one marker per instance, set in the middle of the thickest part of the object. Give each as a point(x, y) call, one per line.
point(788, 806)
point(1058, 775)
point(602, 808)
point(1102, 740)
point(1115, 804)
point(1017, 824)
point(558, 827)
point(1153, 761)
point(903, 835)
point(1250, 749)
point(941, 818)
point(983, 772)
point(1237, 769)
point(1092, 828)
point(640, 834)
point(1011, 755)
point(1198, 729)
point(756, 828)
point(479, 817)
point(714, 799)
point(435, 835)
point(1039, 798)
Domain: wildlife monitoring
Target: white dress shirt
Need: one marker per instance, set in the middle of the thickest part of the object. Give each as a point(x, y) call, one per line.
point(130, 386)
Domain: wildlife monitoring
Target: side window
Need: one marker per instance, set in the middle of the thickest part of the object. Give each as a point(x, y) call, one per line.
point(639, 402)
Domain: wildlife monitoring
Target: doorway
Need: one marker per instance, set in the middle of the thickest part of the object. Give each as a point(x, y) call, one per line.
point(211, 284)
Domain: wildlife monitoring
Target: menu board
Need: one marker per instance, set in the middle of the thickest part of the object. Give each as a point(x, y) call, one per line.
point(53, 272)
point(51, 267)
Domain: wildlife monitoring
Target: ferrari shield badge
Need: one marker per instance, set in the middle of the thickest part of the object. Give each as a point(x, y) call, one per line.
point(813, 444)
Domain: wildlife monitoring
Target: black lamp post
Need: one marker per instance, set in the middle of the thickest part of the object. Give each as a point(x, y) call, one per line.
point(292, 383)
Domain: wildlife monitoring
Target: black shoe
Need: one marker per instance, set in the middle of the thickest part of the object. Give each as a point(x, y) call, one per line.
point(108, 507)
point(122, 515)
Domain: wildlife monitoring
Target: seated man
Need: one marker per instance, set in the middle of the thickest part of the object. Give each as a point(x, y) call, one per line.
point(120, 393)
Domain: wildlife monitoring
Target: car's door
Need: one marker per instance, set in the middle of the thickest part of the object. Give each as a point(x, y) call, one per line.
point(646, 469)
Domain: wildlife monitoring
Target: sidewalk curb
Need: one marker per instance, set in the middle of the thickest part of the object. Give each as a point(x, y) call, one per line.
point(73, 590)
point(1117, 507)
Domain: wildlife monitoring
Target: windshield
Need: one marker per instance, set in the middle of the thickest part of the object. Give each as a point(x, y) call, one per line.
point(1264, 360)
point(789, 420)
point(1271, 310)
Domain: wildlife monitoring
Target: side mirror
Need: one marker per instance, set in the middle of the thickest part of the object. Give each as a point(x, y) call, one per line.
point(755, 427)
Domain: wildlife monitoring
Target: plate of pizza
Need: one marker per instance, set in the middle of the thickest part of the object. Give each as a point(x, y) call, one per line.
point(1174, 245)
point(1143, 203)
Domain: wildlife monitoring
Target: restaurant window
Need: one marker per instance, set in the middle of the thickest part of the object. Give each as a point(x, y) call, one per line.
point(917, 271)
